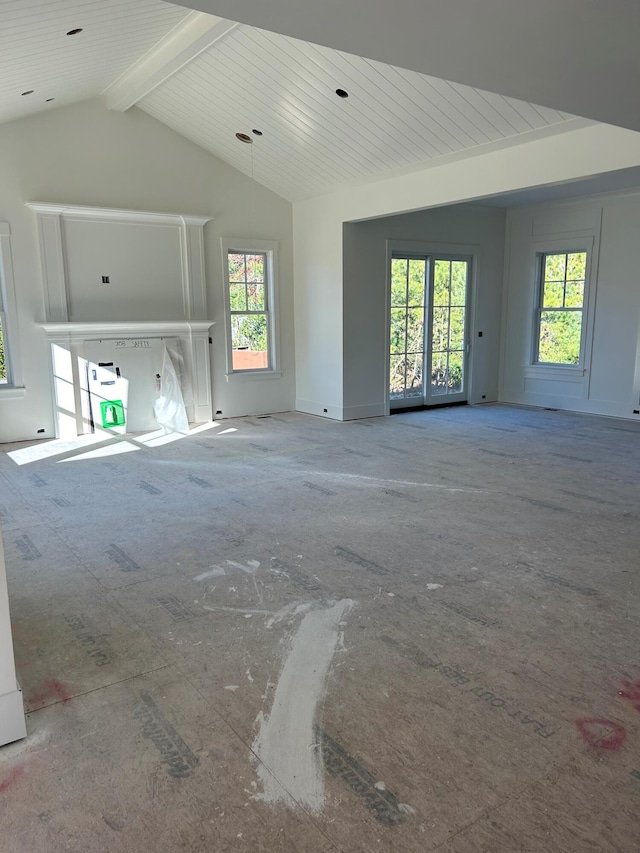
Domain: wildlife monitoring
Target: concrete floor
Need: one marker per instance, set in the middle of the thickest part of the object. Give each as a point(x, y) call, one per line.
point(454, 593)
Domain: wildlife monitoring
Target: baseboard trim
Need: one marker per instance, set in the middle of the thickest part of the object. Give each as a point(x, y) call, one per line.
point(338, 413)
point(353, 413)
point(309, 407)
point(578, 406)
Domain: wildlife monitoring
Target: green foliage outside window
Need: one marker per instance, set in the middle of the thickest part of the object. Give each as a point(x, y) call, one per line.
point(249, 331)
point(407, 327)
point(561, 308)
point(448, 326)
point(247, 303)
point(407, 340)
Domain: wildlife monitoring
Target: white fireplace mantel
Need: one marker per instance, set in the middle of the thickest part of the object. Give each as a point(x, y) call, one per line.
point(112, 330)
point(67, 346)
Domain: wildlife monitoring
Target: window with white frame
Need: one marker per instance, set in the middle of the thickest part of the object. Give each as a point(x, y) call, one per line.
point(250, 306)
point(559, 324)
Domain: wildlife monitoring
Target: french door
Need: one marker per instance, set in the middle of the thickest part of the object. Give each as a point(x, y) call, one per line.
point(428, 341)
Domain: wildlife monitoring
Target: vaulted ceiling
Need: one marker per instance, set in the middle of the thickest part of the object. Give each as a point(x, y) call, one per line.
point(576, 55)
point(313, 139)
point(209, 78)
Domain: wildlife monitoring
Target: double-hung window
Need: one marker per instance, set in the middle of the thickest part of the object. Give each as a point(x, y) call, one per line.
point(249, 272)
point(560, 314)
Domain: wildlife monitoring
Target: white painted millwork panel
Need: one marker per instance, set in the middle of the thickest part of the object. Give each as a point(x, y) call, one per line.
point(53, 270)
point(313, 140)
point(163, 250)
point(36, 53)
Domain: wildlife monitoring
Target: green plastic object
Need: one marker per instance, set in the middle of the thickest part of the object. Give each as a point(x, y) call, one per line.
point(112, 412)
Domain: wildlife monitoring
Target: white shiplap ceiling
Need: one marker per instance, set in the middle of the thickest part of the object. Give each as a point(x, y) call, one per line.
point(209, 79)
point(313, 140)
point(36, 52)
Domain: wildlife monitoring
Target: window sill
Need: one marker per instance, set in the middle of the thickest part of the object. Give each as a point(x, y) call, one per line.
point(12, 391)
point(253, 374)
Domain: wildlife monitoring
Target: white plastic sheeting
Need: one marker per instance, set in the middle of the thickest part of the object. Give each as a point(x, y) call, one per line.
point(169, 408)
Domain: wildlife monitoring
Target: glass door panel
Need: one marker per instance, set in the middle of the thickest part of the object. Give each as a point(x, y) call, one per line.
point(448, 339)
point(428, 294)
point(406, 346)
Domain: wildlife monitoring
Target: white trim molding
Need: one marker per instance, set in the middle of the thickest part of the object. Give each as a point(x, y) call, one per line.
point(78, 332)
point(540, 377)
point(8, 305)
point(51, 219)
point(120, 214)
point(270, 249)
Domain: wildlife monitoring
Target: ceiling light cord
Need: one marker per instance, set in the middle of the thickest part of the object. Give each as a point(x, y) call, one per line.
point(253, 204)
point(244, 137)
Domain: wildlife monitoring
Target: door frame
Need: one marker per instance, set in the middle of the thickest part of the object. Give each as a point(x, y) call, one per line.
point(465, 251)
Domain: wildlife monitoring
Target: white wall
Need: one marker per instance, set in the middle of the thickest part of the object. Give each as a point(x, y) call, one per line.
point(318, 233)
point(481, 232)
point(86, 155)
point(140, 260)
point(317, 236)
point(610, 381)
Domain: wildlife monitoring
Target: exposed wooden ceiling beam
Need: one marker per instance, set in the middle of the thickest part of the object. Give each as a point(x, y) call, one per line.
point(178, 48)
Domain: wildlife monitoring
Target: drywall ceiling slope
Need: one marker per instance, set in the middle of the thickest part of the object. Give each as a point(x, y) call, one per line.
point(312, 140)
point(37, 54)
point(579, 56)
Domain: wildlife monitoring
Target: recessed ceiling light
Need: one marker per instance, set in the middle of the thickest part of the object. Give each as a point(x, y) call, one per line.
point(256, 132)
point(341, 93)
point(75, 32)
point(28, 92)
point(244, 137)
